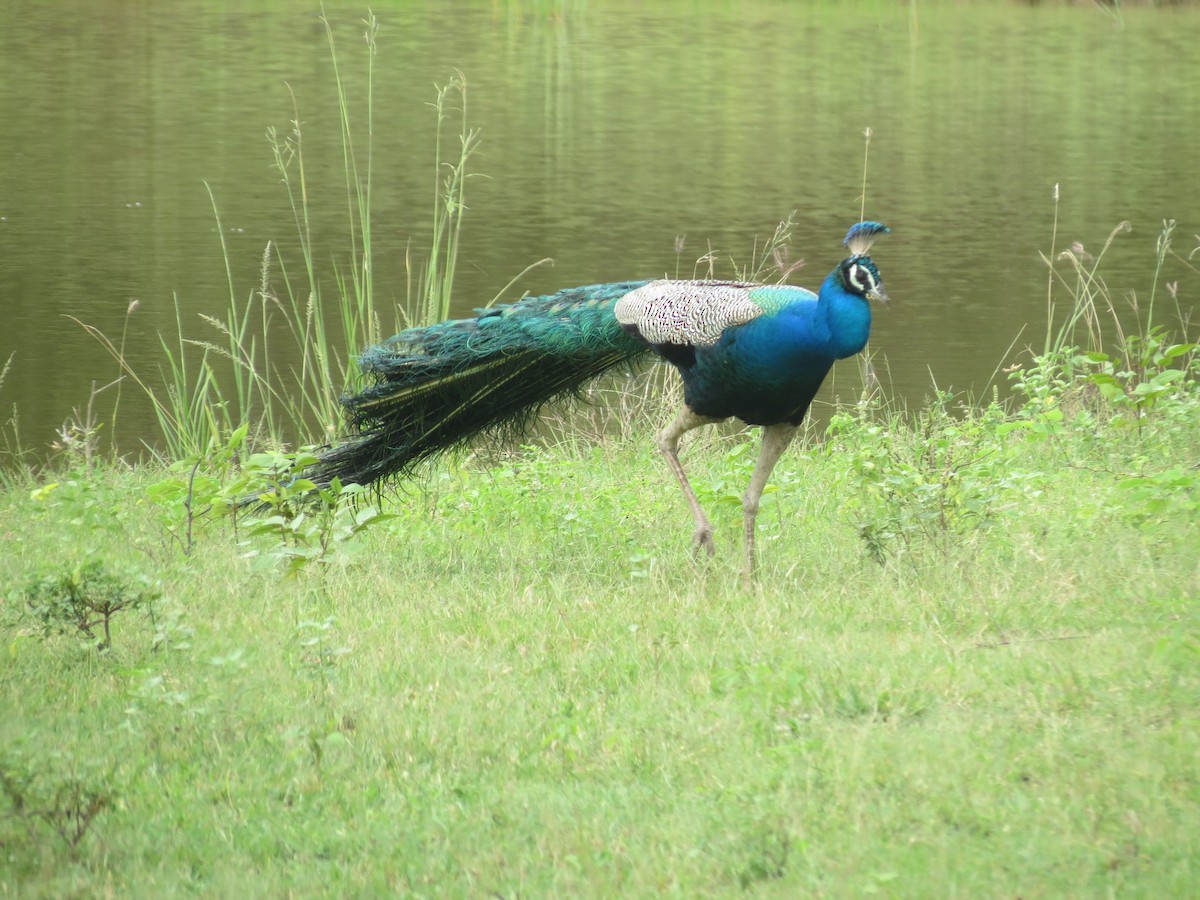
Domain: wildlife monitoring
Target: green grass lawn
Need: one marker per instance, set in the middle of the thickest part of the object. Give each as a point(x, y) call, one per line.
point(971, 668)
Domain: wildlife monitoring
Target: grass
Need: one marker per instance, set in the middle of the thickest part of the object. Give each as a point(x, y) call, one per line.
point(321, 317)
point(519, 685)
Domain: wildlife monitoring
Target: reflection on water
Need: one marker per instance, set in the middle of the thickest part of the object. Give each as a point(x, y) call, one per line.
point(606, 133)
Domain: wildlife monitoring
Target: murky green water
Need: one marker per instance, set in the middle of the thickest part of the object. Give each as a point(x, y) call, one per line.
point(606, 133)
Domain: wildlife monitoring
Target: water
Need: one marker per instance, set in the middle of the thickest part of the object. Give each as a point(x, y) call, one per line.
point(606, 133)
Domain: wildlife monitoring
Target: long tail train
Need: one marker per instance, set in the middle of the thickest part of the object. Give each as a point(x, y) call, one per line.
point(436, 387)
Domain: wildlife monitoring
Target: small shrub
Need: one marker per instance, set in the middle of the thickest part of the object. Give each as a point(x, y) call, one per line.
point(930, 485)
point(313, 523)
point(1170, 495)
point(86, 598)
point(195, 485)
point(66, 803)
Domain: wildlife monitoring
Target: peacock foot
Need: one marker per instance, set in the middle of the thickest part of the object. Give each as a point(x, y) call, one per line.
point(702, 539)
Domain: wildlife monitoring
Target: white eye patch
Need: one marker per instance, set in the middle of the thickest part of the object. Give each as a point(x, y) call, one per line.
point(861, 279)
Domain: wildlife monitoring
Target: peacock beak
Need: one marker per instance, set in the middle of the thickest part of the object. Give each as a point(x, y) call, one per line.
point(877, 293)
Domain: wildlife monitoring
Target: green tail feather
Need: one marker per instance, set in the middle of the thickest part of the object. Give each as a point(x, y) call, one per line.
point(437, 387)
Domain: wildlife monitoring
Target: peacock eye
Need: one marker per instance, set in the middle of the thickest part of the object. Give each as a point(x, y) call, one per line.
point(855, 277)
point(860, 278)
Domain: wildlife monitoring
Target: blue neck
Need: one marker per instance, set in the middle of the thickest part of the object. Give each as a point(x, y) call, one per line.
point(847, 316)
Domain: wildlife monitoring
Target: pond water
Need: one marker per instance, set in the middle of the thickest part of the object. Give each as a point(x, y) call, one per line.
point(607, 128)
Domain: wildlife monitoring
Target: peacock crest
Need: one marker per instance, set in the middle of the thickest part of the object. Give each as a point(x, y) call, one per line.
point(860, 237)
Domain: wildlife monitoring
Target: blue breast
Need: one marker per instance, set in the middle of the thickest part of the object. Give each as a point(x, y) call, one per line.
point(767, 371)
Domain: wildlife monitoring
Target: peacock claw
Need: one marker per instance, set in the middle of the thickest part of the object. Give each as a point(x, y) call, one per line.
point(702, 539)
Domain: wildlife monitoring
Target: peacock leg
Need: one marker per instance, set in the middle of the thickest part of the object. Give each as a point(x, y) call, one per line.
point(775, 440)
point(668, 443)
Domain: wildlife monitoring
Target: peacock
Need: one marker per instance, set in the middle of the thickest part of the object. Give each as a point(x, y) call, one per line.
point(754, 352)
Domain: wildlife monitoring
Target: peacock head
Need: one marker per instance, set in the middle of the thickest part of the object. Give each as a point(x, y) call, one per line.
point(857, 273)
